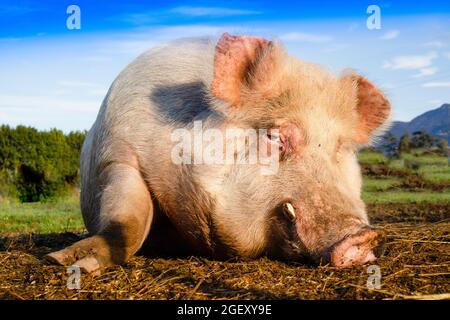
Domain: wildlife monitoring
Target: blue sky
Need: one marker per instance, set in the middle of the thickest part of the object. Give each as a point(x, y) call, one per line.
point(54, 77)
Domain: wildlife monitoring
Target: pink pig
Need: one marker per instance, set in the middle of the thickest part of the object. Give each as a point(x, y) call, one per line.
point(133, 194)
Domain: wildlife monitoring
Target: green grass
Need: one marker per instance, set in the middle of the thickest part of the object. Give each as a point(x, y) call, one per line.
point(397, 164)
point(406, 197)
point(429, 160)
point(432, 168)
point(435, 173)
point(437, 177)
point(371, 157)
point(43, 217)
point(370, 184)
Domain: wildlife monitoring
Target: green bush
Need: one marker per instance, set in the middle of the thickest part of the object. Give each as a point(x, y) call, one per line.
point(411, 164)
point(38, 164)
point(372, 156)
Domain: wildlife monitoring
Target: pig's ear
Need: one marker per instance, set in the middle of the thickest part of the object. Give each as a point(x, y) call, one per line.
point(241, 63)
point(373, 110)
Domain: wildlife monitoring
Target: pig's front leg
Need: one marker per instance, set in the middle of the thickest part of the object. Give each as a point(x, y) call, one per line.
point(125, 216)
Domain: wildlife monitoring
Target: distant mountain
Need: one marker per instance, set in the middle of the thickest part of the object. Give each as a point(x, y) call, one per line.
point(435, 122)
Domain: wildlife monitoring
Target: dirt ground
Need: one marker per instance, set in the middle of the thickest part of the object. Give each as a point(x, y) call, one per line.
point(414, 261)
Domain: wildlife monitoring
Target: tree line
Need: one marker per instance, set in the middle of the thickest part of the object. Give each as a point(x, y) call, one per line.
point(35, 165)
point(394, 147)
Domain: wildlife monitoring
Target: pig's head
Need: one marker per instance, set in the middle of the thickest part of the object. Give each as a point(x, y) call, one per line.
point(313, 203)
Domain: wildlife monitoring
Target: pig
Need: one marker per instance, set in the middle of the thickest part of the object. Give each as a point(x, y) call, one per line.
point(133, 195)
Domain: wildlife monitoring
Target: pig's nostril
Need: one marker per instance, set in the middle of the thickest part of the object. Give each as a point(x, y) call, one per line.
point(356, 249)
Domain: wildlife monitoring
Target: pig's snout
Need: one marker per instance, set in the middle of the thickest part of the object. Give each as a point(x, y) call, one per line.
point(355, 249)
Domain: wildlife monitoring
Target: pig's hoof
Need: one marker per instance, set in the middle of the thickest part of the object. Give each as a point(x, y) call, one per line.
point(89, 265)
point(60, 257)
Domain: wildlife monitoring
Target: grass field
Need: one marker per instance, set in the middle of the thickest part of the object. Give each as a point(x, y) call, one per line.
point(410, 205)
point(431, 176)
point(60, 215)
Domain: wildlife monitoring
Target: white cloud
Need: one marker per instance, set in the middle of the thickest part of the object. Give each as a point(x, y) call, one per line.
point(9, 41)
point(447, 55)
point(132, 44)
point(139, 18)
point(353, 26)
point(211, 11)
point(390, 35)
point(95, 58)
point(426, 72)
point(73, 87)
point(305, 37)
point(435, 102)
point(48, 103)
point(45, 112)
point(142, 18)
point(15, 9)
point(436, 84)
point(194, 31)
point(126, 46)
point(336, 47)
point(411, 62)
point(76, 84)
point(435, 44)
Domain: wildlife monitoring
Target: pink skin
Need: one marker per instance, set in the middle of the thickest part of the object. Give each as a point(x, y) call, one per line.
point(357, 244)
point(129, 180)
point(327, 224)
point(356, 249)
point(352, 242)
point(290, 139)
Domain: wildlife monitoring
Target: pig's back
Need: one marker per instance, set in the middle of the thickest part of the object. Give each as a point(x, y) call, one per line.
point(163, 89)
point(164, 70)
